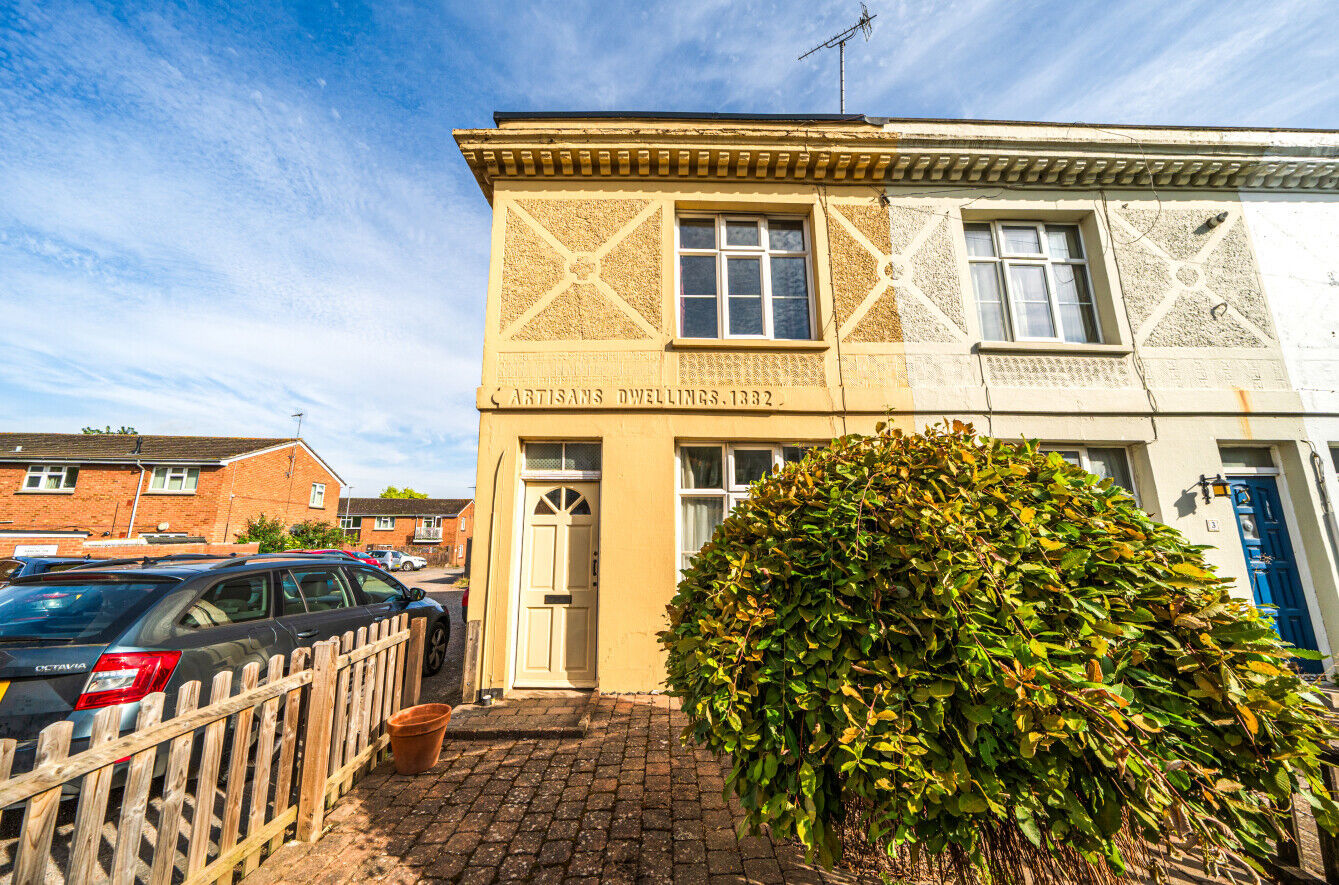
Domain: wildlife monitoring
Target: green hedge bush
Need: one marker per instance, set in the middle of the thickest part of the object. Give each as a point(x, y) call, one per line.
point(1000, 661)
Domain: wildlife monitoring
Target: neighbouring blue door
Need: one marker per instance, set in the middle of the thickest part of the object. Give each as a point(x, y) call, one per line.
point(1275, 582)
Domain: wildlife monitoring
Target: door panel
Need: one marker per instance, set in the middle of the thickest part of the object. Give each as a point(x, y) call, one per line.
point(557, 618)
point(1276, 584)
point(332, 607)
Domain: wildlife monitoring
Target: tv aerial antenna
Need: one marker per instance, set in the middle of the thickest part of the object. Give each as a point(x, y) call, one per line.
point(863, 26)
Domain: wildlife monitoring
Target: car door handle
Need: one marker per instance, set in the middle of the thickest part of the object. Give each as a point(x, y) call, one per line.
point(307, 634)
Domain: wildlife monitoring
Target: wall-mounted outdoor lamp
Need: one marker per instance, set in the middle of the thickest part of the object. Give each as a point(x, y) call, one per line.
point(1215, 487)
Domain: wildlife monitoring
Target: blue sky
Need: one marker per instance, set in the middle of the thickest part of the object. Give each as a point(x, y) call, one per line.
point(212, 216)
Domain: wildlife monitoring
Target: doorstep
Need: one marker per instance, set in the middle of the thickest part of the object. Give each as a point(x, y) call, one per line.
point(557, 713)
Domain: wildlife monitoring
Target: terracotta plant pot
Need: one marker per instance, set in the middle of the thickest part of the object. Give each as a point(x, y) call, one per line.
point(416, 736)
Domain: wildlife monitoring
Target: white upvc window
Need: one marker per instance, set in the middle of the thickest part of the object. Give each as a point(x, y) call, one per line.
point(385, 523)
point(1107, 462)
point(317, 498)
point(348, 523)
point(744, 276)
point(714, 477)
point(1031, 282)
point(182, 480)
point(50, 478)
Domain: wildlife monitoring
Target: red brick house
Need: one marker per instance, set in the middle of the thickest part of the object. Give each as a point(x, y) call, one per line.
point(400, 523)
point(104, 487)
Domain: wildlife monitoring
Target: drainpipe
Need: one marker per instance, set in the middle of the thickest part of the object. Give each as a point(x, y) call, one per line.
point(130, 529)
point(227, 522)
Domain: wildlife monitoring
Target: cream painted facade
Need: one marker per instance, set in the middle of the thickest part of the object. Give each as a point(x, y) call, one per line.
point(583, 340)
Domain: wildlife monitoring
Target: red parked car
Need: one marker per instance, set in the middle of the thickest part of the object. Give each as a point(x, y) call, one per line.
point(352, 554)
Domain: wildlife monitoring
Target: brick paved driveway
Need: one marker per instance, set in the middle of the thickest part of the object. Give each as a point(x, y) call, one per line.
point(626, 803)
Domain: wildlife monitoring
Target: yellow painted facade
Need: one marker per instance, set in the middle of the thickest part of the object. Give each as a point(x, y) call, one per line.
point(583, 342)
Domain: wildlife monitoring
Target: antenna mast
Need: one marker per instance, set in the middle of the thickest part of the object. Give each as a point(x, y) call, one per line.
point(862, 26)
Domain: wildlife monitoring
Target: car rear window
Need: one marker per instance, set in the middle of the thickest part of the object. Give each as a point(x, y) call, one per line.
point(91, 611)
point(8, 567)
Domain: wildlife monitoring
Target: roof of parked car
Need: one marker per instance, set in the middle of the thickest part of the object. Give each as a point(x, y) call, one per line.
point(402, 506)
point(187, 566)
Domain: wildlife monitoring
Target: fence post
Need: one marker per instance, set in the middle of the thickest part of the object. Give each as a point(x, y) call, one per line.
point(413, 667)
point(316, 742)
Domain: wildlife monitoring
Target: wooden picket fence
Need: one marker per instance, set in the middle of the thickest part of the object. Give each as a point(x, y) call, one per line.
point(324, 718)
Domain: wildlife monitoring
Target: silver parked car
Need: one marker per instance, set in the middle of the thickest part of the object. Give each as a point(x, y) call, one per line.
point(395, 561)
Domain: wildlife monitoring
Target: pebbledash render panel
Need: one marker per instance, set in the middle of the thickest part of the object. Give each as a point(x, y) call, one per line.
point(677, 304)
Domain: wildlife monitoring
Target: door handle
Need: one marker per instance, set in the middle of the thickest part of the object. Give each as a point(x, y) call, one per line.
point(306, 634)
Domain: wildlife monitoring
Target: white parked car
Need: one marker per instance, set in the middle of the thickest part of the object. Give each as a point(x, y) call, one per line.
point(395, 561)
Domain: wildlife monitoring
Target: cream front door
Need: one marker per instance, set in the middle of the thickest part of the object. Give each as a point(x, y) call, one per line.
point(555, 643)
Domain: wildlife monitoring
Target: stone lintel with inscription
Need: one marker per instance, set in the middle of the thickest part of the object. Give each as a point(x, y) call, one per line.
point(587, 396)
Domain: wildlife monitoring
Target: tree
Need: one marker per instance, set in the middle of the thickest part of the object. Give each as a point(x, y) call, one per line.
point(406, 492)
point(267, 531)
point(120, 431)
point(979, 657)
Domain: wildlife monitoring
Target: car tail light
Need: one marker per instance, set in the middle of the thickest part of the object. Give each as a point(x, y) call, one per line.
point(465, 600)
point(126, 677)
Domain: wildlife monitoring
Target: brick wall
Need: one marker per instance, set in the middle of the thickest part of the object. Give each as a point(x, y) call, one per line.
point(225, 497)
point(100, 549)
point(260, 484)
point(456, 532)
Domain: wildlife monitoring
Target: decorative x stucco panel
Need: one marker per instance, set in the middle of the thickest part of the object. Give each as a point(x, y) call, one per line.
point(1187, 284)
point(581, 270)
point(894, 275)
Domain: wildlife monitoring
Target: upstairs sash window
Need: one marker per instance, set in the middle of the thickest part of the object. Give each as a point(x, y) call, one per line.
point(745, 276)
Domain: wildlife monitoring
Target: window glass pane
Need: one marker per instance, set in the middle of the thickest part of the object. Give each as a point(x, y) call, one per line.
point(794, 453)
point(742, 233)
point(1032, 308)
point(1021, 241)
point(1334, 456)
point(232, 602)
point(1071, 455)
point(174, 481)
point(543, 456)
point(751, 465)
point(1111, 464)
point(700, 467)
point(555, 497)
point(159, 478)
point(52, 481)
point(34, 479)
point(785, 236)
point(582, 508)
point(1077, 317)
point(744, 281)
point(324, 590)
point(1251, 457)
point(698, 317)
point(789, 279)
point(979, 241)
point(378, 588)
point(989, 304)
point(700, 518)
point(292, 598)
point(790, 318)
point(581, 456)
point(192, 476)
point(697, 275)
point(697, 233)
point(71, 476)
point(1063, 241)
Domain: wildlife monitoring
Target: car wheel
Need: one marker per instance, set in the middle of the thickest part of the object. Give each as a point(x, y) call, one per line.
point(434, 651)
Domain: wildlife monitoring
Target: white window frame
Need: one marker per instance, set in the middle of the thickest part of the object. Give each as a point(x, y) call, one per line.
point(1086, 464)
point(66, 476)
point(763, 251)
point(1002, 260)
point(732, 490)
point(317, 498)
point(385, 524)
point(347, 523)
point(189, 476)
point(560, 474)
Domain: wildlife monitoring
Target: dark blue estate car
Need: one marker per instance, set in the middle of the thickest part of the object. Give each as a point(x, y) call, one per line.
point(22, 566)
point(112, 632)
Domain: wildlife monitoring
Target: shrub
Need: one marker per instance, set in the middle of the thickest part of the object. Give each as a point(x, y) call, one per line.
point(987, 659)
point(267, 531)
point(313, 534)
